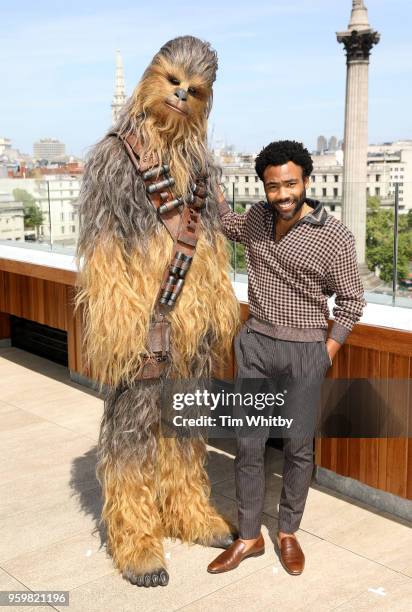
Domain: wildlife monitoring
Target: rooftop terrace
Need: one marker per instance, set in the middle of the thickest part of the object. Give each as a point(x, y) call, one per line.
point(356, 558)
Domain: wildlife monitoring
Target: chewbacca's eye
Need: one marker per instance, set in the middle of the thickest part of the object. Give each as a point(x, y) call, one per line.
point(192, 91)
point(174, 80)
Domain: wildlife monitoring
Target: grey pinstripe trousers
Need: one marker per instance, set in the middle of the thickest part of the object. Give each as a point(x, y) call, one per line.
point(304, 364)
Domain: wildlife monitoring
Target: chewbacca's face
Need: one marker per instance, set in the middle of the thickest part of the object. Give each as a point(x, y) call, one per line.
point(174, 94)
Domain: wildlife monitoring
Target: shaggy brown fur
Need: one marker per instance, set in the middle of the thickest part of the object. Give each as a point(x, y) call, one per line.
point(152, 486)
point(120, 293)
point(183, 491)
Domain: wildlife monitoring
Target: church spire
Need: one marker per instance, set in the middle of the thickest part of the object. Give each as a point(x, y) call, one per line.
point(119, 96)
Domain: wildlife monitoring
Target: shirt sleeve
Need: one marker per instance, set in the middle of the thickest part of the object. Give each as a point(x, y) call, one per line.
point(343, 279)
point(234, 225)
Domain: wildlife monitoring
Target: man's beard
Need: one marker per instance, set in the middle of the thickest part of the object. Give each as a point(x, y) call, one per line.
point(298, 203)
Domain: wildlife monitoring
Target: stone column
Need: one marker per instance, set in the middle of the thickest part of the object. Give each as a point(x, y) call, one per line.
point(358, 41)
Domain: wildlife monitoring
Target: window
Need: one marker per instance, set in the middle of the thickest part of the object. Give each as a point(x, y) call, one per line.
point(73, 228)
point(324, 178)
point(368, 191)
point(236, 179)
point(61, 216)
point(236, 191)
point(335, 192)
point(324, 192)
point(62, 229)
point(256, 190)
point(377, 191)
point(314, 178)
point(336, 178)
point(246, 191)
point(313, 191)
point(246, 179)
point(378, 178)
point(256, 179)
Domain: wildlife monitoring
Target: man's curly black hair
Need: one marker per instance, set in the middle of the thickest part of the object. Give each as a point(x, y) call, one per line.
point(280, 152)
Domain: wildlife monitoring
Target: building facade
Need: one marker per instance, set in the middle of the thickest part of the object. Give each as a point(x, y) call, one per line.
point(385, 167)
point(49, 148)
point(5, 146)
point(56, 196)
point(11, 218)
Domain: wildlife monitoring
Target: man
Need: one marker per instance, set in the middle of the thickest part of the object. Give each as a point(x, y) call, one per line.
point(297, 255)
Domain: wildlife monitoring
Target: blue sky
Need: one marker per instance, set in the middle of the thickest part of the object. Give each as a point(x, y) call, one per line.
point(281, 71)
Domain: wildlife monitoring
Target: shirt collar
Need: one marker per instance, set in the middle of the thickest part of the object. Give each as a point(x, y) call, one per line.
point(317, 216)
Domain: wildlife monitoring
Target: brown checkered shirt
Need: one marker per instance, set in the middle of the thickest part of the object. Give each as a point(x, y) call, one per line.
point(289, 281)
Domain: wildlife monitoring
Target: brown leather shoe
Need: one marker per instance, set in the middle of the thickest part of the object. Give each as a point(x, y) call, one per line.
point(232, 557)
point(290, 554)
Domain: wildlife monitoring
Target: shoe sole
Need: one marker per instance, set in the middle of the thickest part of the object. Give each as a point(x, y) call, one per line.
point(285, 567)
point(256, 554)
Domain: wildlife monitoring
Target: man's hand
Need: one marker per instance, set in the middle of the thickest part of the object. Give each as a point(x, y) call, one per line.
point(332, 347)
point(220, 195)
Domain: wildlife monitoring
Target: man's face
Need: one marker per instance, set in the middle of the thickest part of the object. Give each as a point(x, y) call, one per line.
point(285, 189)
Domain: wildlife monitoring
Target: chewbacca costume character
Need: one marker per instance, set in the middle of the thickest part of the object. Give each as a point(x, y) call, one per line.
point(154, 486)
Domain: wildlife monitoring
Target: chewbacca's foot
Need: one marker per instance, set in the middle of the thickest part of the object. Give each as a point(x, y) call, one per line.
point(152, 578)
point(223, 540)
point(222, 535)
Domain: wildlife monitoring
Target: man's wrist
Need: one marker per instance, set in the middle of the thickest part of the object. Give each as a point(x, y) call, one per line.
point(223, 207)
point(339, 332)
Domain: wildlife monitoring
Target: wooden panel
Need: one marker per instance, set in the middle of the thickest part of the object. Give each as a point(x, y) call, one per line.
point(384, 339)
point(409, 443)
point(397, 448)
point(65, 277)
point(34, 299)
point(382, 442)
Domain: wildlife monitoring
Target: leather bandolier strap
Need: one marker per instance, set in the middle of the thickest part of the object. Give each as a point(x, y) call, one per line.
point(182, 220)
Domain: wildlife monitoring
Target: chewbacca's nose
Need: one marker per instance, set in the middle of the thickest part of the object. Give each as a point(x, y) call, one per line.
point(181, 94)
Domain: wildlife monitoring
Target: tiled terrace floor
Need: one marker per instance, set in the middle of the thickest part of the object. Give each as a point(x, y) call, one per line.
point(356, 559)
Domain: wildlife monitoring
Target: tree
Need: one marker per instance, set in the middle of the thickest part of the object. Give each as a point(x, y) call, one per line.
point(21, 195)
point(33, 216)
point(379, 240)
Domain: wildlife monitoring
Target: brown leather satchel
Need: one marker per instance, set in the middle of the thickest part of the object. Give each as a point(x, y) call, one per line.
point(182, 220)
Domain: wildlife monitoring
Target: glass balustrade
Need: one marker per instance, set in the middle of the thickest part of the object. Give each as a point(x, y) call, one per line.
point(42, 213)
